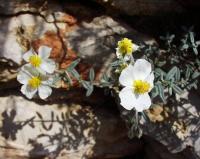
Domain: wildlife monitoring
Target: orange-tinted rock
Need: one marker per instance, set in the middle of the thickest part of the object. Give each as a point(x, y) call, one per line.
point(68, 19)
point(52, 40)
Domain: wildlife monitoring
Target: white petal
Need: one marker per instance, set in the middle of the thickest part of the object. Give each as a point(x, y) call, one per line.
point(44, 91)
point(23, 77)
point(27, 55)
point(28, 92)
point(150, 80)
point(135, 47)
point(118, 53)
point(44, 52)
point(141, 69)
point(142, 102)
point(31, 71)
point(127, 77)
point(127, 57)
point(48, 66)
point(127, 98)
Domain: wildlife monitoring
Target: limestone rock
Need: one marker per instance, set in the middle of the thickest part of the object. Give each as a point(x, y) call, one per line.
point(181, 127)
point(14, 7)
point(143, 7)
point(60, 130)
point(92, 41)
point(19, 30)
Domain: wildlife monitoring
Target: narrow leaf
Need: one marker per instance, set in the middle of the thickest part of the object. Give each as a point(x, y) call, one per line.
point(161, 91)
point(74, 64)
point(91, 74)
point(177, 89)
point(171, 73)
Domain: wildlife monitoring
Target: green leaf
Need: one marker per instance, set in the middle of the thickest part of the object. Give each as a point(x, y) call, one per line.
point(115, 63)
point(192, 85)
point(73, 64)
point(187, 74)
point(105, 81)
point(90, 90)
point(198, 42)
point(170, 91)
point(195, 50)
point(191, 37)
point(88, 86)
point(178, 74)
point(170, 75)
point(161, 91)
point(198, 62)
point(56, 78)
point(67, 79)
point(75, 74)
point(160, 73)
point(195, 74)
point(177, 89)
point(154, 92)
point(105, 84)
point(91, 74)
point(105, 78)
point(161, 63)
point(184, 47)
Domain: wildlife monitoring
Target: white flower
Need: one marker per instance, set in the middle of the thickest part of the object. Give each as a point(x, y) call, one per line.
point(33, 81)
point(125, 49)
point(41, 60)
point(138, 82)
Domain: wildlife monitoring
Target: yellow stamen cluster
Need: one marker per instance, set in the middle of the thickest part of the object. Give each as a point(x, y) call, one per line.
point(34, 82)
point(125, 46)
point(140, 87)
point(35, 60)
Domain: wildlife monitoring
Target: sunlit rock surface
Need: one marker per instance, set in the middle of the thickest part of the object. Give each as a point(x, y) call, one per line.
point(176, 124)
point(70, 38)
point(60, 130)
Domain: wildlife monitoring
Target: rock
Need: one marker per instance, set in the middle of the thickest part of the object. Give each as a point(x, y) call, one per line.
point(180, 128)
point(189, 4)
point(19, 30)
point(155, 150)
point(157, 113)
point(7, 73)
point(56, 129)
point(16, 7)
point(60, 130)
point(143, 7)
point(92, 41)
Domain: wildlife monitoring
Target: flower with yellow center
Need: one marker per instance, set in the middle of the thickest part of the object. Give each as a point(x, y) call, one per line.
point(140, 87)
point(125, 48)
point(33, 81)
point(137, 80)
point(41, 60)
point(35, 60)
